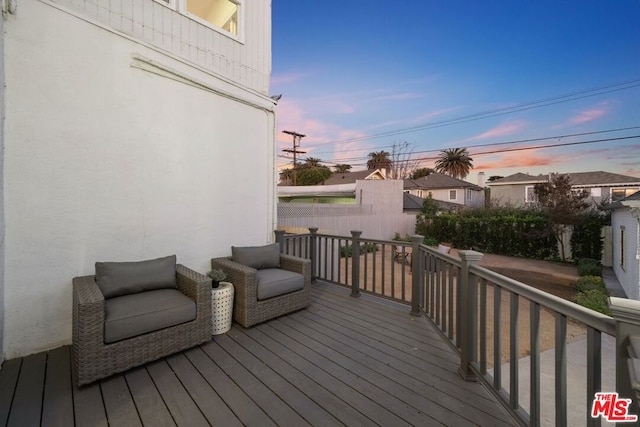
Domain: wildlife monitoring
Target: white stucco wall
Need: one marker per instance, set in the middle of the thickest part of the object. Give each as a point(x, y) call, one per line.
point(2, 224)
point(107, 161)
point(629, 274)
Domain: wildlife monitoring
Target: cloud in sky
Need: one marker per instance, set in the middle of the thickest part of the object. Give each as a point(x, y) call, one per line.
point(517, 159)
point(505, 129)
point(588, 115)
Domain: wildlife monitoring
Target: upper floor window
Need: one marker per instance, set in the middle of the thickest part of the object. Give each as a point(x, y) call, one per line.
point(220, 14)
point(621, 193)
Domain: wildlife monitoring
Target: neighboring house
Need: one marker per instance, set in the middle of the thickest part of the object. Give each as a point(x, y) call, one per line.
point(352, 177)
point(123, 125)
point(625, 228)
point(374, 207)
point(517, 189)
point(414, 204)
point(445, 188)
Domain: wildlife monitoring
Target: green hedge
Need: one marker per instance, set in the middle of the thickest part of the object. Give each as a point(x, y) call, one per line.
point(593, 294)
point(589, 267)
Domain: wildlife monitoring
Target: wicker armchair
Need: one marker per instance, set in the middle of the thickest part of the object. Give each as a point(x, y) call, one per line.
point(248, 309)
point(93, 359)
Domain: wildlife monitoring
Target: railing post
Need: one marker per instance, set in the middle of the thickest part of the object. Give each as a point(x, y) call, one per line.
point(280, 239)
point(469, 314)
point(312, 252)
point(355, 264)
point(626, 313)
point(417, 274)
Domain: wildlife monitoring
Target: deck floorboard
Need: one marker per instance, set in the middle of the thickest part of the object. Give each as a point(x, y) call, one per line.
point(343, 361)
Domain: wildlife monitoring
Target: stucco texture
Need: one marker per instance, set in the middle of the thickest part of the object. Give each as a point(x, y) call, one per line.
point(107, 162)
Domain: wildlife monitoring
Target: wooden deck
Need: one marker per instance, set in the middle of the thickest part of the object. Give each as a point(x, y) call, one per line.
point(342, 361)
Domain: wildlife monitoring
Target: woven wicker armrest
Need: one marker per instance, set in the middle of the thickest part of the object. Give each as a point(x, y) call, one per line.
point(86, 292)
point(295, 264)
point(197, 287)
point(237, 273)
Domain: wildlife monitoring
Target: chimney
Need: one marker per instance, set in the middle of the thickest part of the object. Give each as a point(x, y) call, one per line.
point(481, 179)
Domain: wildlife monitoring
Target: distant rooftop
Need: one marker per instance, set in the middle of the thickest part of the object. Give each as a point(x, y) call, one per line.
point(438, 181)
point(578, 179)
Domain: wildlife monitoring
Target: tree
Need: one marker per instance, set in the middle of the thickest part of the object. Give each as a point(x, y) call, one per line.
point(454, 162)
point(311, 162)
point(286, 176)
point(563, 205)
point(313, 175)
point(342, 168)
point(419, 173)
point(379, 160)
point(402, 165)
point(494, 178)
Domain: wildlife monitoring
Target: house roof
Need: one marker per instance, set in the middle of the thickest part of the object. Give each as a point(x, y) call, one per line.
point(632, 201)
point(351, 177)
point(438, 181)
point(578, 179)
point(415, 203)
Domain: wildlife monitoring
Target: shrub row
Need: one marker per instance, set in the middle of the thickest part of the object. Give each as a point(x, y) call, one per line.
point(592, 293)
point(347, 251)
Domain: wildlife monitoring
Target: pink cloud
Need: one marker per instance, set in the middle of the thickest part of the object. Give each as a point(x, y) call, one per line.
point(588, 116)
point(421, 119)
point(501, 130)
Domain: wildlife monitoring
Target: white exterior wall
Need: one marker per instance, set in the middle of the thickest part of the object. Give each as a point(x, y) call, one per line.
point(2, 223)
point(108, 156)
point(629, 275)
point(377, 213)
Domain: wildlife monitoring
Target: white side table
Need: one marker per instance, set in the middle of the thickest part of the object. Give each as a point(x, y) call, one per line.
point(221, 308)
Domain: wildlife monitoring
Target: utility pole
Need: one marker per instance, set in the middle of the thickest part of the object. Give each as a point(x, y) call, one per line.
point(296, 143)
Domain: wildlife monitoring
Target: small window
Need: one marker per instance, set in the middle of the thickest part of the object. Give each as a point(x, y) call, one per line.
point(621, 193)
point(469, 194)
point(221, 13)
point(596, 192)
point(453, 194)
point(529, 194)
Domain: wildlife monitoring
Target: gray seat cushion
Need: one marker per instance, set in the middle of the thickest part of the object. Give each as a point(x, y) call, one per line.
point(122, 278)
point(257, 257)
point(136, 314)
point(273, 282)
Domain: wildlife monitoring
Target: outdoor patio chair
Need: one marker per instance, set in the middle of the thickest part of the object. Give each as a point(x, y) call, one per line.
point(131, 313)
point(267, 284)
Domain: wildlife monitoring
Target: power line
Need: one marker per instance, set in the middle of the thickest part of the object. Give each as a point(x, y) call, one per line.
point(545, 102)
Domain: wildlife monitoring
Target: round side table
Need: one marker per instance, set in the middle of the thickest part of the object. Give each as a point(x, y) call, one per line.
point(221, 308)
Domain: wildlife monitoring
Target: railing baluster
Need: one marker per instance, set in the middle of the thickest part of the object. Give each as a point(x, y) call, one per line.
point(561, 370)
point(483, 326)
point(436, 317)
point(513, 355)
point(445, 300)
point(451, 302)
point(497, 337)
point(534, 376)
point(594, 370)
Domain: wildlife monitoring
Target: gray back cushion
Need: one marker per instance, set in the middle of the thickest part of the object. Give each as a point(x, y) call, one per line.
point(257, 257)
point(123, 278)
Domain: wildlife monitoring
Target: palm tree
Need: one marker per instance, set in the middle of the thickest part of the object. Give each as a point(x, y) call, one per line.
point(454, 162)
point(342, 168)
point(286, 176)
point(419, 173)
point(379, 160)
point(311, 162)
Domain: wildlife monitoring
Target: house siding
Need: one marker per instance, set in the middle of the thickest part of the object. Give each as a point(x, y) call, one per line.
point(2, 223)
point(513, 195)
point(246, 61)
point(629, 273)
point(109, 157)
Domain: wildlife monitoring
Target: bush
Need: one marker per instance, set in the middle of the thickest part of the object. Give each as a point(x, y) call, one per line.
point(592, 293)
point(584, 261)
point(595, 299)
point(589, 269)
point(346, 251)
point(590, 282)
point(430, 241)
point(368, 247)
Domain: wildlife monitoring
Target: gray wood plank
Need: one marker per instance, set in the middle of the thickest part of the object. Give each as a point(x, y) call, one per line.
point(182, 408)
point(57, 405)
point(272, 404)
point(404, 403)
point(204, 395)
point(26, 409)
point(318, 394)
point(422, 391)
point(342, 385)
point(149, 403)
point(88, 406)
point(8, 380)
point(245, 409)
point(118, 403)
